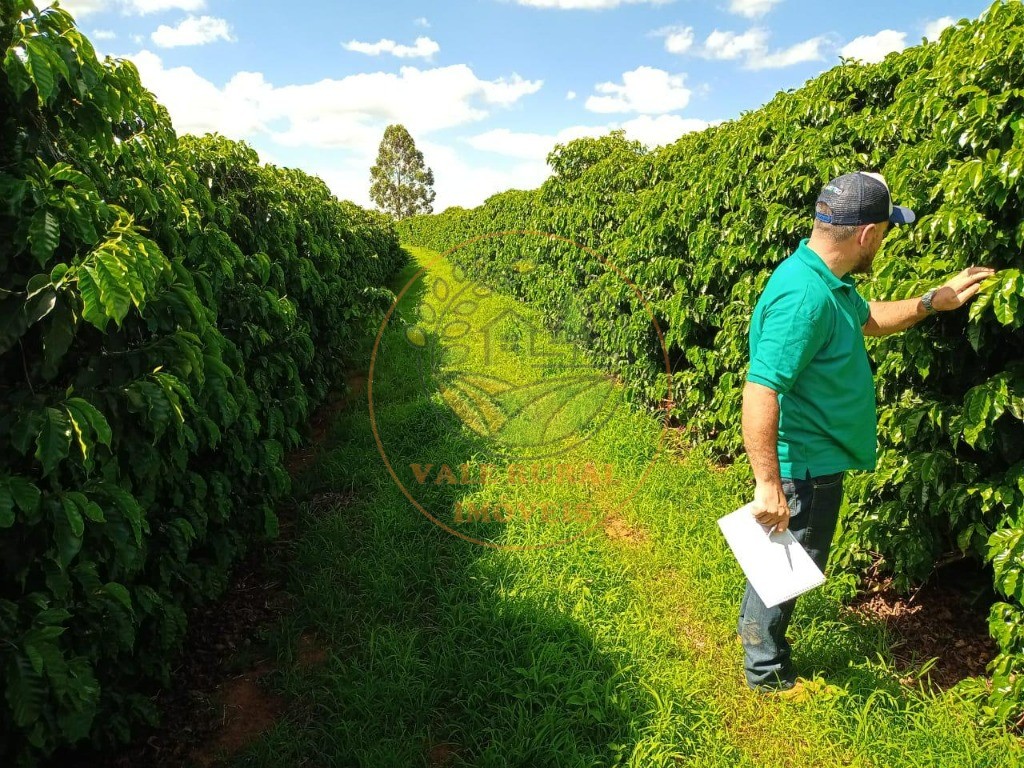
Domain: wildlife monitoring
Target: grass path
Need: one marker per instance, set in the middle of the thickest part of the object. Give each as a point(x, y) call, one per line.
point(616, 648)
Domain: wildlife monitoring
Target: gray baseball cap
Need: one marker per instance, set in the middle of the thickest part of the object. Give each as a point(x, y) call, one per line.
point(861, 198)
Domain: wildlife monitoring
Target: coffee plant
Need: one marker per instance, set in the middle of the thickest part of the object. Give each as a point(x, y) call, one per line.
point(697, 226)
point(171, 311)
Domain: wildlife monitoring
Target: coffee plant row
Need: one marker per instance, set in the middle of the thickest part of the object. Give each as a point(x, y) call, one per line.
point(171, 311)
point(698, 226)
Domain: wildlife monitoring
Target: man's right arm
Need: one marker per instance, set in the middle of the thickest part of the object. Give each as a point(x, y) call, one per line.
point(760, 436)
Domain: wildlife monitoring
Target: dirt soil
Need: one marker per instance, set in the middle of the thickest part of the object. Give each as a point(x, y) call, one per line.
point(617, 529)
point(217, 702)
point(946, 618)
point(320, 423)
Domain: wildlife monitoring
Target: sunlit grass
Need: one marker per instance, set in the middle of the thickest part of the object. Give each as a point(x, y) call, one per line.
point(603, 650)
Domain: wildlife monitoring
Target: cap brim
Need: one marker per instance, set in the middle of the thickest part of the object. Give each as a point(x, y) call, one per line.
point(901, 215)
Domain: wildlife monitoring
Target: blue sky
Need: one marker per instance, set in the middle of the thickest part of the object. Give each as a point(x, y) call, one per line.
point(486, 87)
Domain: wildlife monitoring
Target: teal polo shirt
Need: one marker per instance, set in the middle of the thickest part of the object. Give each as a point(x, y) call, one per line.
point(806, 343)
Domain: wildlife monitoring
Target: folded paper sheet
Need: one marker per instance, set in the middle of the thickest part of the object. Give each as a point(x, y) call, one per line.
point(776, 565)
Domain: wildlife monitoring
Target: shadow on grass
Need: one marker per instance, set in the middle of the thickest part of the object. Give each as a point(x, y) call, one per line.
point(432, 656)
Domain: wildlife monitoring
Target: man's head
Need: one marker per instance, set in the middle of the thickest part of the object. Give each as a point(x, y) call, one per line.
point(852, 216)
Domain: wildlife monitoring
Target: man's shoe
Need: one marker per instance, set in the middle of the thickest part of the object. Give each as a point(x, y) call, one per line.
point(774, 689)
point(803, 689)
point(797, 691)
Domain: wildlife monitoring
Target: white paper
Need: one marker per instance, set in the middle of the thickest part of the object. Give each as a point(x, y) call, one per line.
point(776, 565)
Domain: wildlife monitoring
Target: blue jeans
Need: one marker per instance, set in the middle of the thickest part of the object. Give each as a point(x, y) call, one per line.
point(814, 510)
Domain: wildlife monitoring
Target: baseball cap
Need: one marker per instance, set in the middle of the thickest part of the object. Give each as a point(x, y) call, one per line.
point(861, 198)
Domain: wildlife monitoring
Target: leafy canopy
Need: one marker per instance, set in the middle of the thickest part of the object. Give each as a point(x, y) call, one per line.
point(401, 184)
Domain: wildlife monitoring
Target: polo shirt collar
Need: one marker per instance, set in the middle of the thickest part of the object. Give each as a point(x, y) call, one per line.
point(813, 260)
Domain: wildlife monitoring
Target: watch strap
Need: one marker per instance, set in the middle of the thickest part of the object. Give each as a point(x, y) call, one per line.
point(927, 301)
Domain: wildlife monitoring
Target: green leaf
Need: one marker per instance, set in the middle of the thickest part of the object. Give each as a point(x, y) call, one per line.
point(38, 66)
point(91, 414)
point(26, 691)
point(16, 71)
point(128, 507)
point(92, 305)
point(34, 657)
point(109, 274)
point(119, 593)
point(271, 528)
point(57, 339)
point(53, 440)
point(25, 494)
point(74, 516)
point(39, 306)
point(81, 437)
point(65, 172)
point(25, 430)
point(1004, 307)
point(58, 272)
point(12, 321)
point(974, 335)
point(94, 512)
point(69, 542)
point(6, 505)
point(43, 235)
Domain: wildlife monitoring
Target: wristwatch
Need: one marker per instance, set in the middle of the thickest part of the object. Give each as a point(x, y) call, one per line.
point(927, 301)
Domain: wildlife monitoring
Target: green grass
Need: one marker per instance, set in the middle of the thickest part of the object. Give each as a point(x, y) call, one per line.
point(601, 651)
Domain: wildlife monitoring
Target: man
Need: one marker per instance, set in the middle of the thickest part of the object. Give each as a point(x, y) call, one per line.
point(809, 398)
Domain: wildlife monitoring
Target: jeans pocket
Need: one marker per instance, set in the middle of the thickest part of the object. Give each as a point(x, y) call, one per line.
point(823, 482)
point(823, 514)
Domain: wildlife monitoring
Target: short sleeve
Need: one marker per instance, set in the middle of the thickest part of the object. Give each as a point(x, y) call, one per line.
point(863, 310)
point(792, 332)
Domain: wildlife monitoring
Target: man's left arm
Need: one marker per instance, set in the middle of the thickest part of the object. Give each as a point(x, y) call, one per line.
point(887, 317)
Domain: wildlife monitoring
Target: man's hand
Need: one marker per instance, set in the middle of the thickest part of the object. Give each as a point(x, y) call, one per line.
point(770, 506)
point(892, 316)
point(961, 289)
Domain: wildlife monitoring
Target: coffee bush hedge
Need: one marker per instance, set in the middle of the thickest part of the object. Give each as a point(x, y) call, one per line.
point(171, 311)
point(698, 226)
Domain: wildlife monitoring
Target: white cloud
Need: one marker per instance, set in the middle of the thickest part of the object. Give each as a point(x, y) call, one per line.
point(526, 145)
point(238, 110)
point(143, 7)
point(79, 8)
point(752, 9)
point(348, 113)
point(137, 7)
point(808, 50)
point(103, 34)
point(650, 130)
point(502, 91)
point(570, 95)
point(752, 47)
point(729, 45)
point(194, 30)
point(662, 129)
point(873, 48)
point(424, 47)
point(586, 5)
point(461, 182)
point(421, 22)
point(645, 90)
point(933, 29)
point(268, 158)
point(677, 39)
